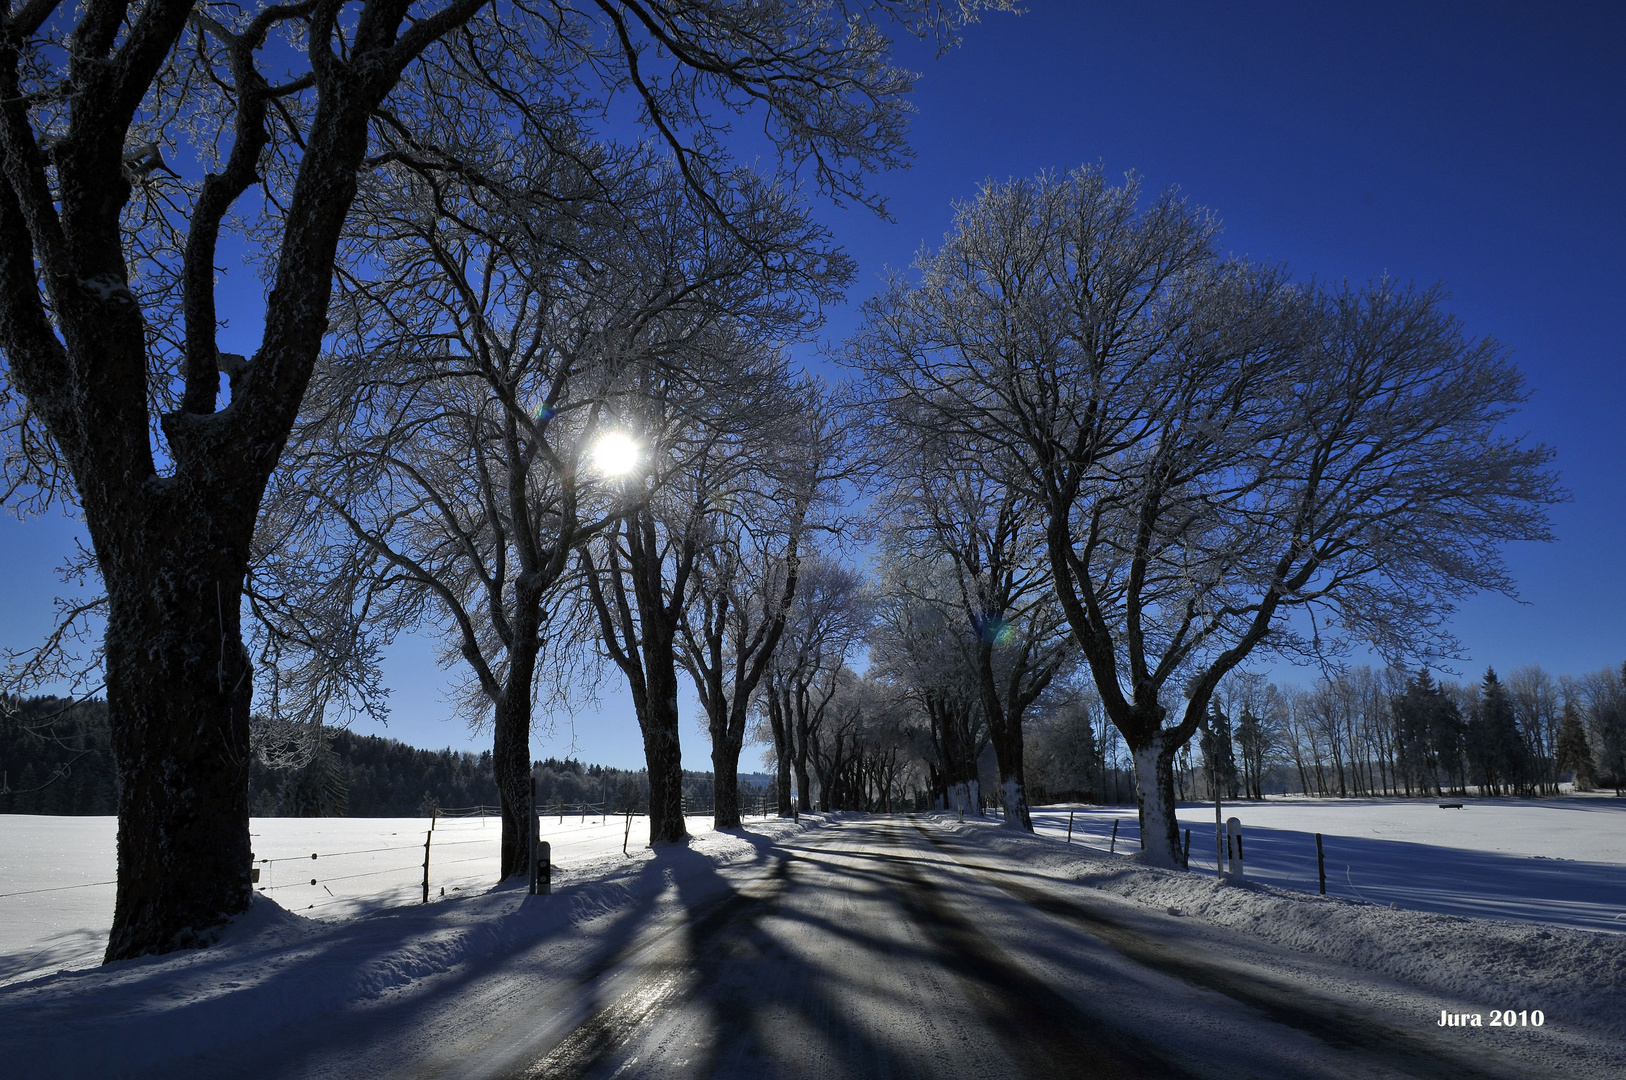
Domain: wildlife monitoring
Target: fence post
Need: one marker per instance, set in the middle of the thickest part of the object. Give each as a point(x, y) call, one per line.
point(428, 836)
point(1321, 864)
point(1070, 826)
point(1113, 847)
point(533, 831)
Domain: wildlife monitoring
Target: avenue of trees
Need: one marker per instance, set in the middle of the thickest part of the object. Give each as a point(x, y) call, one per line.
point(144, 146)
point(528, 387)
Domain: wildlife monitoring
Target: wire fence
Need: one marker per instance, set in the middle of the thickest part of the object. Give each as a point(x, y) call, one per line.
point(336, 867)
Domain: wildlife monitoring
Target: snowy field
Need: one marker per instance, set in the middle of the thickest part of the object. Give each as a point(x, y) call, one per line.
point(1560, 862)
point(56, 873)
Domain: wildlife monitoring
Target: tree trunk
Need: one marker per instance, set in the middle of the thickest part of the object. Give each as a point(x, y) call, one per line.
point(804, 789)
point(179, 684)
point(783, 751)
point(663, 755)
point(725, 772)
point(511, 737)
point(1013, 791)
point(511, 762)
point(1154, 791)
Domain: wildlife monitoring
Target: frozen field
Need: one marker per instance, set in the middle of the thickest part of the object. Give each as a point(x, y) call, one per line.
point(56, 873)
point(1561, 862)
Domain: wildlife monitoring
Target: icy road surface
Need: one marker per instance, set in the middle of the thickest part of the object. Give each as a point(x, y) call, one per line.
point(894, 948)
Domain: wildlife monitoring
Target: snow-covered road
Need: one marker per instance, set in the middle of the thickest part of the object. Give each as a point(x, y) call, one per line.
point(890, 948)
point(849, 948)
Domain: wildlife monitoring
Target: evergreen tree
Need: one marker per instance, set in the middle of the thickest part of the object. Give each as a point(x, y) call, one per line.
point(1574, 754)
point(1219, 757)
point(1495, 749)
point(316, 790)
point(1254, 742)
point(1610, 720)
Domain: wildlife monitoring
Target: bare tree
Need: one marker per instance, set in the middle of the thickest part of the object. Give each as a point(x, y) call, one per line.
point(952, 512)
point(830, 614)
point(459, 485)
point(1537, 707)
point(1605, 695)
point(745, 579)
point(108, 310)
point(919, 649)
point(1223, 459)
point(706, 431)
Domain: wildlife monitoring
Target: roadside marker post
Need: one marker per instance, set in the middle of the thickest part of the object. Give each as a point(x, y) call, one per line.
point(1113, 847)
point(1233, 849)
point(542, 883)
point(1070, 826)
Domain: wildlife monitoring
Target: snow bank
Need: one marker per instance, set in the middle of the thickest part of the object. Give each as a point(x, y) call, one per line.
point(1577, 977)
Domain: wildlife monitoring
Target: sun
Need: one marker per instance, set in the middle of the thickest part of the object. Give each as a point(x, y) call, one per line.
point(615, 454)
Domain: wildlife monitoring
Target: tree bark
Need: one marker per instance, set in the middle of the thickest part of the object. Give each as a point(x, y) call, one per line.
point(804, 786)
point(1154, 792)
point(725, 763)
point(178, 689)
point(663, 756)
point(1007, 740)
point(783, 750)
point(511, 760)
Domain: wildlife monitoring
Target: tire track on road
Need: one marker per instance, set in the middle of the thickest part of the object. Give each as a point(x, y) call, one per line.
point(1334, 1023)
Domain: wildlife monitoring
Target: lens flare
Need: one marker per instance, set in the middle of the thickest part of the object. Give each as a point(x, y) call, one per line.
point(997, 631)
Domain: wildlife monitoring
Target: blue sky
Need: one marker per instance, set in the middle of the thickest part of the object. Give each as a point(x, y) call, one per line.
point(1482, 145)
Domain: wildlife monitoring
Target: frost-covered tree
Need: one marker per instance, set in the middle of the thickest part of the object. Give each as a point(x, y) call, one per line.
point(443, 470)
point(974, 542)
point(1224, 460)
point(1606, 715)
point(746, 576)
point(917, 647)
point(831, 613)
point(705, 434)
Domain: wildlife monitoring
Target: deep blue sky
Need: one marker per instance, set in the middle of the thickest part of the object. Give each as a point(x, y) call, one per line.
point(1482, 145)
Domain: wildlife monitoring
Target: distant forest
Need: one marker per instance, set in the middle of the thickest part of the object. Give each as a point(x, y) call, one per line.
point(54, 759)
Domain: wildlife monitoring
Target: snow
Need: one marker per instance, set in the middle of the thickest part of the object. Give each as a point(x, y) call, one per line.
point(359, 946)
point(1474, 963)
point(56, 873)
point(1559, 862)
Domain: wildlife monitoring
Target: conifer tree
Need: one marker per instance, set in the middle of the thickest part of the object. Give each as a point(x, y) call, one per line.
point(1574, 753)
point(1254, 741)
point(1219, 756)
